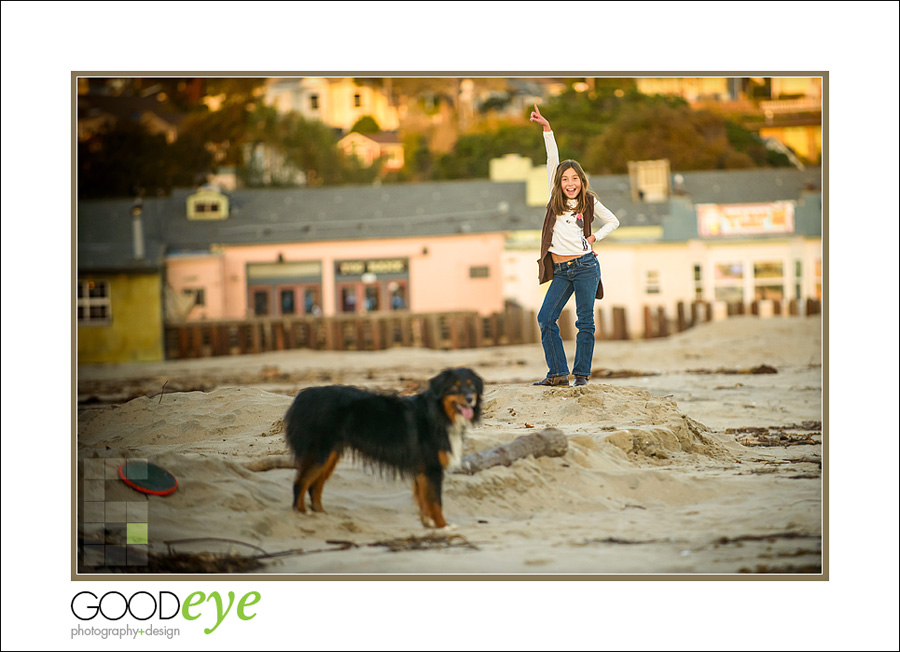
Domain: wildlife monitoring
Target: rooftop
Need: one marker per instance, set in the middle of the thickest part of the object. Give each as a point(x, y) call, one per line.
point(397, 210)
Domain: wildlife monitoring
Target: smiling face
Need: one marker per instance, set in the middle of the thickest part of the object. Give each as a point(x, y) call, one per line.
point(570, 183)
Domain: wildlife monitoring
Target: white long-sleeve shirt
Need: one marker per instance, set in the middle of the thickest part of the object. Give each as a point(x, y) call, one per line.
point(568, 236)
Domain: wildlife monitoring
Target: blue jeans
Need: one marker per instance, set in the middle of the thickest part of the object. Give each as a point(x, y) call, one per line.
point(579, 277)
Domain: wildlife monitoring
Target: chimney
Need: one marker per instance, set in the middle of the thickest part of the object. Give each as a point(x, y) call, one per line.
point(137, 229)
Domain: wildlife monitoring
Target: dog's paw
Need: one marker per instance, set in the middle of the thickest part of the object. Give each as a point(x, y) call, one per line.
point(449, 527)
point(427, 521)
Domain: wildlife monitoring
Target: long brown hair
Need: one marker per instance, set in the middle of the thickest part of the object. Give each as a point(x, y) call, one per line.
point(558, 200)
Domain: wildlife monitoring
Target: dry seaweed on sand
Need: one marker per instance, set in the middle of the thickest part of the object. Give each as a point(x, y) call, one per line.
point(772, 436)
point(760, 369)
point(428, 542)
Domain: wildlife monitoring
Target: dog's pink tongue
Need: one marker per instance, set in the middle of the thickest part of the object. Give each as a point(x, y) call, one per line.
point(467, 412)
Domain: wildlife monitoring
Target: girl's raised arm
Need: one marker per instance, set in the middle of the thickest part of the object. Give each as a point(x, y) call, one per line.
point(549, 144)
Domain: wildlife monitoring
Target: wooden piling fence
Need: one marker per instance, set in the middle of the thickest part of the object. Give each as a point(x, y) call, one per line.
point(372, 332)
point(445, 331)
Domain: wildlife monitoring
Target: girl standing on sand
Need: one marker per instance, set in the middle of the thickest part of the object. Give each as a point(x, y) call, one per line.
point(568, 261)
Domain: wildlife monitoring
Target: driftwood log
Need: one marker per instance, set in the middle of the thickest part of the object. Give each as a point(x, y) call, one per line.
point(550, 442)
point(271, 462)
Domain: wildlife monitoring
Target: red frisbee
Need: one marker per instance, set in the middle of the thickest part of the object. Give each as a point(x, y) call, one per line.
point(147, 478)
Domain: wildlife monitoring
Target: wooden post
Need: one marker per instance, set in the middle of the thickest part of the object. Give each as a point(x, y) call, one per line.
point(406, 333)
point(279, 336)
point(311, 331)
point(454, 333)
point(290, 334)
point(197, 343)
point(620, 325)
point(496, 325)
point(648, 323)
point(566, 327)
point(662, 324)
point(514, 325)
point(333, 339)
point(184, 347)
point(432, 332)
point(681, 323)
point(532, 332)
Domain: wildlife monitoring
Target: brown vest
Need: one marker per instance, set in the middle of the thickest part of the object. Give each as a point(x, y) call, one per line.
point(545, 262)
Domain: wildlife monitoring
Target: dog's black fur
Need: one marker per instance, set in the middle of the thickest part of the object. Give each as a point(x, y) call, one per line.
point(417, 437)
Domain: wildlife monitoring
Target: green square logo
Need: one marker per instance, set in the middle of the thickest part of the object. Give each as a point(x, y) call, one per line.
point(137, 533)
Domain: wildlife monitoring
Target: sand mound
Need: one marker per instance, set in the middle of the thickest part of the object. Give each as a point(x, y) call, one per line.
point(645, 427)
point(233, 419)
point(615, 433)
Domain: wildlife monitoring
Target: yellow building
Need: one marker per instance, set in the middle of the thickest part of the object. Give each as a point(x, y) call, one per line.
point(367, 148)
point(691, 89)
point(337, 102)
point(119, 317)
point(119, 293)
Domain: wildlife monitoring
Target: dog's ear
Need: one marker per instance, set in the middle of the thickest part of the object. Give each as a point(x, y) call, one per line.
point(479, 382)
point(439, 383)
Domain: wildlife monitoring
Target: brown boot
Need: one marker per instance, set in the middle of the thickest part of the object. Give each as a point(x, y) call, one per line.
point(580, 381)
point(554, 381)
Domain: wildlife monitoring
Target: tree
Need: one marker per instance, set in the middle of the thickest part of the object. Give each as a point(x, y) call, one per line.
point(307, 145)
point(119, 161)
point(366, 125)
point(690, 140)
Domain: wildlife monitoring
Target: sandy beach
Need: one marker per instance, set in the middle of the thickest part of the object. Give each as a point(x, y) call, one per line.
point(697, 454)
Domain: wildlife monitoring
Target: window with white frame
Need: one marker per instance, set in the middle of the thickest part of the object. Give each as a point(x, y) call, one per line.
point(94, 302)
point(729, 282)
point(768, 280)
point(198, 294)
point(652, 284)
point(206, 207)
point(698, 282)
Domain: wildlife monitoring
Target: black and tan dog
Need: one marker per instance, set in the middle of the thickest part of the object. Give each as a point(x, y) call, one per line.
point(417, 437)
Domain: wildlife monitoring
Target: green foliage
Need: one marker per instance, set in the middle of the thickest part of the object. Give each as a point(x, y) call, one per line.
point(122, 161)
point(579, 121)
point(473, 152)
point(366, 125)
point(691, 140)
point(418, 160)
point(308, 146)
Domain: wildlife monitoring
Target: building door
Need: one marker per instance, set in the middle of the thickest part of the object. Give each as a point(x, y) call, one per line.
point(260, 301)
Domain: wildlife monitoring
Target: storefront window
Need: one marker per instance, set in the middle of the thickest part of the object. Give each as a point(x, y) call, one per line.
point(312, 305)
point(260, 303)
point(348, 299)
point(768, 280)
point(287, 302)
point(698, 282)
point(729, 271)
point(372, 302)
point(729, 282)
point(398, 296)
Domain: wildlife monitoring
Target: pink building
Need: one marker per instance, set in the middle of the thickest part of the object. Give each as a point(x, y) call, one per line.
point(329, 251)
point(441, 273)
